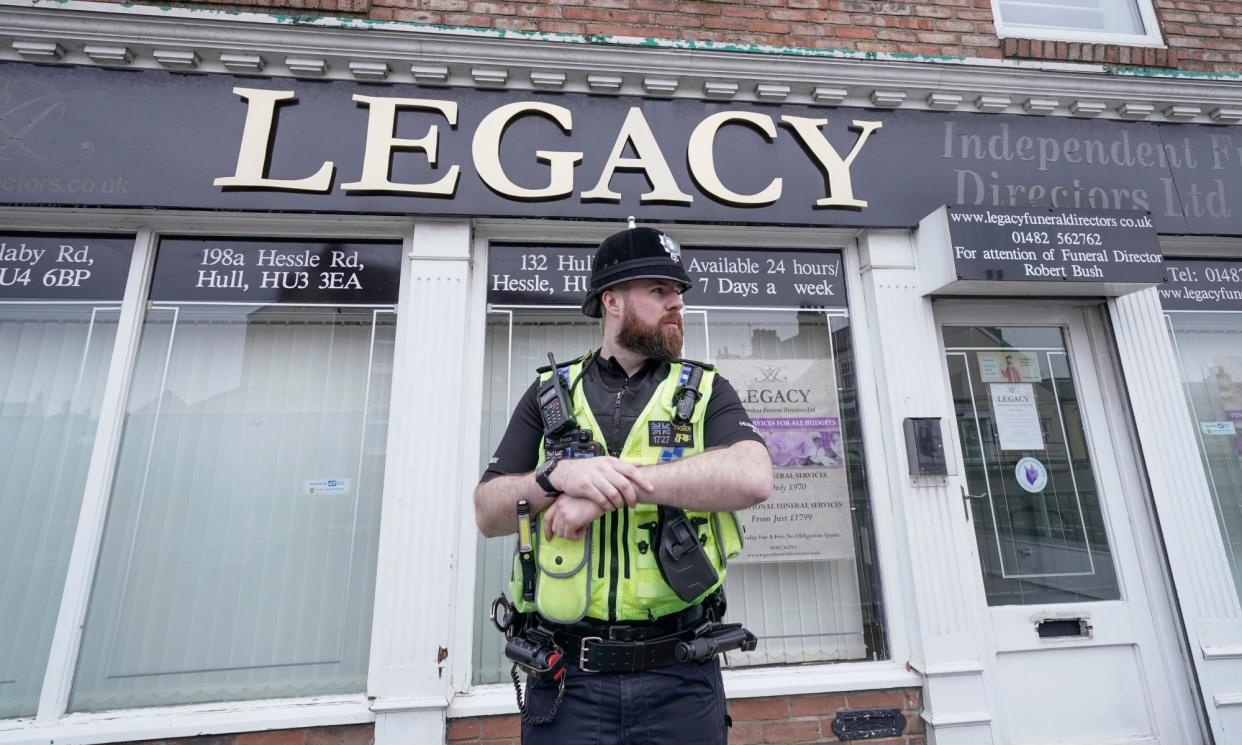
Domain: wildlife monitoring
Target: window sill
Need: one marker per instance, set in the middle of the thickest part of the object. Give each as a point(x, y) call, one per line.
point(188, 721)
point(790, 680)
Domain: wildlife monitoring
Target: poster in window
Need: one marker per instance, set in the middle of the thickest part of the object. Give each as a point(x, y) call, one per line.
point(1009, 367)
point(793, 403)
point(1016, 414)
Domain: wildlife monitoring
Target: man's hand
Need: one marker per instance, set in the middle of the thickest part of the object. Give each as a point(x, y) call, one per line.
point(607, 482)
point(570, 517)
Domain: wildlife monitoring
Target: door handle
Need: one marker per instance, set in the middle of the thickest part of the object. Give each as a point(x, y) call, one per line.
point(966, 502)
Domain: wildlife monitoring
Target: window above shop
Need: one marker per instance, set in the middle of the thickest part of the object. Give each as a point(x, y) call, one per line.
point(1128, 22)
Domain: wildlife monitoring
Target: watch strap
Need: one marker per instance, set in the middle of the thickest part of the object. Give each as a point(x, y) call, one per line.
point(542, 477)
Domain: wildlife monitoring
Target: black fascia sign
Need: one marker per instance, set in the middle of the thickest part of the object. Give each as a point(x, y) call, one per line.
point(1201, 284)
point(557, 275)
point(1072, 252)
point(273, 272)
point(157, 139)
point(74, 268)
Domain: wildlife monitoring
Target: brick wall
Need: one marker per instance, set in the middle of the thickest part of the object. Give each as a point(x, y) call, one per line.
point(1203, 36)
point(1206, 35)
point(352, 734)
point(779, 719)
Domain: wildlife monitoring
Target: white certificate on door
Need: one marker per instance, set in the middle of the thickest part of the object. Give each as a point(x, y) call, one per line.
point(1016, 416)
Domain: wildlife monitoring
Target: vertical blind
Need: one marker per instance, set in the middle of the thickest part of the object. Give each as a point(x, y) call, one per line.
point(239, 552)
point(803, 611)
point(53, 361)
point(1209, 347)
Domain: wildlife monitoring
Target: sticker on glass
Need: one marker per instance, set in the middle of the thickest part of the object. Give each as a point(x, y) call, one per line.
point(1031, 475)
point(327, 486)
point(1218, 428)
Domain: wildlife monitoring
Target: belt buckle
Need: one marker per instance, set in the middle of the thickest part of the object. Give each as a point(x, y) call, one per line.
point(582, 653)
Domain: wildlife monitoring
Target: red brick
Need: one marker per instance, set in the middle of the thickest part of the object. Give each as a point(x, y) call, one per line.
point(509, 726)
point(892, 34)
point(963, 26)
point(847, 32)
point(816, 705)
point(416, 16)
point(979, 41)
point(561, 27)
point(803, 730)
point(463, 729)
point(914, 724)
point(356, 734)
point(788, 14)
point(745, 733)
point(751, 709)
point(741, 11)
point(467, 19)
point(273, 737)
point(893, 699)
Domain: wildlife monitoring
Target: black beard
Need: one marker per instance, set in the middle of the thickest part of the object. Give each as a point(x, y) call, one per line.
point(651, 341)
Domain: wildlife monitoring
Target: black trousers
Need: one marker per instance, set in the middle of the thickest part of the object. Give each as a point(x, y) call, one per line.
point(675, 705)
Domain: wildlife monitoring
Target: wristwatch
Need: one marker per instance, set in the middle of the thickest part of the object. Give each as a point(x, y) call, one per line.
point(543, 474)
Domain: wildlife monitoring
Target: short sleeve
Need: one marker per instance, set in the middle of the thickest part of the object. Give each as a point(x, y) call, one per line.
point(726, 420)
point(518, 451)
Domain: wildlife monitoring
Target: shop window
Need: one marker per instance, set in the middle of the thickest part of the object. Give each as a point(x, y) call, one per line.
point(1209, 349)
point(1097, 21)
point(239, 552)
point(57, 326)
point(808, 583)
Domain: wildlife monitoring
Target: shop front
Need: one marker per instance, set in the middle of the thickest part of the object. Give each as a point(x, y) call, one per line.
point(259, 335)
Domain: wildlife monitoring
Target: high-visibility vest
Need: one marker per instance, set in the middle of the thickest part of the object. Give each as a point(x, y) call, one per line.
point(611, 573)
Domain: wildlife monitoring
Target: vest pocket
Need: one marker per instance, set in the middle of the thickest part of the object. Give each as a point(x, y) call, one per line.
point(563, 587)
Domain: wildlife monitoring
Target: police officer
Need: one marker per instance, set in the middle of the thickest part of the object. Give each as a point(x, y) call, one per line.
point(603, 595)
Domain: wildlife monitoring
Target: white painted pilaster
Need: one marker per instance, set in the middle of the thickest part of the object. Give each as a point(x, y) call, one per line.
point(942, 575)
point(409, 681)
point(1196, 553)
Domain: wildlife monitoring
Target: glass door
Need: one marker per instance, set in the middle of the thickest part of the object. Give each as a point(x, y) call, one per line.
point(1037, 516)
point(1050, 480)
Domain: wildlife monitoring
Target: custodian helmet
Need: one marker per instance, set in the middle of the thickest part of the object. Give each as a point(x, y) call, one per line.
point(636, 253)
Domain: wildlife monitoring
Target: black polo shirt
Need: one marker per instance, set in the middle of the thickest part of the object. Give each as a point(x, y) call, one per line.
point(616, 400)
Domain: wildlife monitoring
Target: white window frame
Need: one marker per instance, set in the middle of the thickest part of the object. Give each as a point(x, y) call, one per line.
point(53, 722)
point(498, 698)
point(401, 701)
point(1147, 12)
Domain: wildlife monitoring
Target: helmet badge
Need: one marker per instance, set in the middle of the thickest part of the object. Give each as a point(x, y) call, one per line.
point(670, 247)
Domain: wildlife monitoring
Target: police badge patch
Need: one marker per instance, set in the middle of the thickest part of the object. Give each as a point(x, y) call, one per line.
point(669, 434)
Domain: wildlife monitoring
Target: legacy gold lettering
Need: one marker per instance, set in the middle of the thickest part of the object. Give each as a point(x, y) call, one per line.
point(836, 170)
point(649, 160)
point(634, 135)
point(252, 156)
point(703, 161)
point(486, 152)
point(381, 142)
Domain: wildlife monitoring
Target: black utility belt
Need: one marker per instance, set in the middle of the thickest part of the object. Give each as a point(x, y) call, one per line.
point(594, 654)
point(631, 630)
